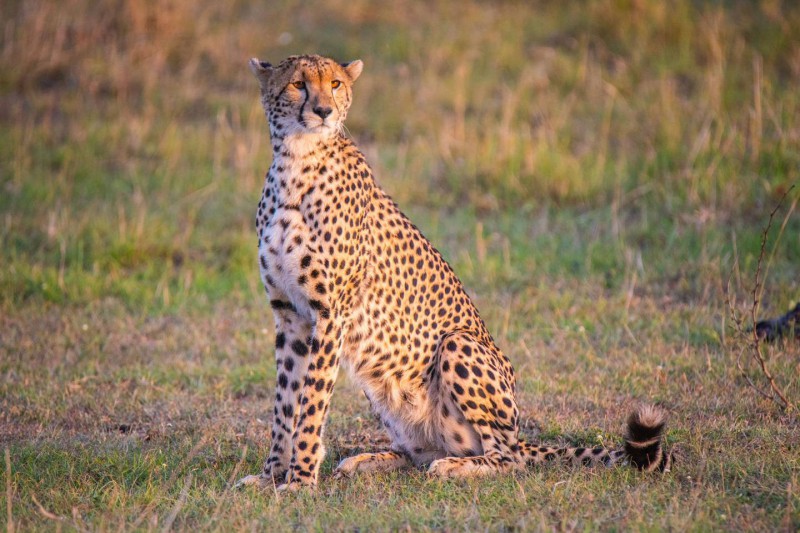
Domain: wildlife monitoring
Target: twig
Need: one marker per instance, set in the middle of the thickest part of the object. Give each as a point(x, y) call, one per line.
point(750, 380)
point(757, 287)
point(757, 354)
point(778, 238)
point(740, 330)
point(776, 395)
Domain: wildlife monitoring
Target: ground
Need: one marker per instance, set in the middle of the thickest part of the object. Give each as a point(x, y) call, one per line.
point(597, 174)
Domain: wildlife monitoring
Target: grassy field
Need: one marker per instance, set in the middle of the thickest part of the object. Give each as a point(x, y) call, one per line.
point(597, 173)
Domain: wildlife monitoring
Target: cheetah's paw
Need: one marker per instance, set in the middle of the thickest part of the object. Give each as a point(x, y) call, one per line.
point(261, 481)
point(448, 467)
point(295, 486)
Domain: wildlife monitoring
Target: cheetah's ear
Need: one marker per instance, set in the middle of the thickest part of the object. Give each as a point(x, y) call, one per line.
point(353, 69)
point(262, 71)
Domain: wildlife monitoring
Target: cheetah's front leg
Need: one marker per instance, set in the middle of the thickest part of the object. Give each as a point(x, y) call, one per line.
point(308, 449)
point(293, 335)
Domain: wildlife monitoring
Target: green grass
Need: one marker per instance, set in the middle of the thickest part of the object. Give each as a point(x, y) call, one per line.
point(596, 172)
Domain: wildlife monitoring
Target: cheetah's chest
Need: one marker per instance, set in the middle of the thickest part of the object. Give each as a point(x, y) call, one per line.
point(285, 257)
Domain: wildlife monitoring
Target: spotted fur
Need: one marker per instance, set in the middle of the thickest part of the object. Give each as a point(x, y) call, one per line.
point(352, 281)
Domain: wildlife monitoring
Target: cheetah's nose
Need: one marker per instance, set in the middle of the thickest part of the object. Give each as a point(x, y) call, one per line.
point(323, 112)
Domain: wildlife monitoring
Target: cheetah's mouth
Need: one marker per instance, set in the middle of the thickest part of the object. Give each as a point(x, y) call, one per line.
point(315, 124)
point(319, 126)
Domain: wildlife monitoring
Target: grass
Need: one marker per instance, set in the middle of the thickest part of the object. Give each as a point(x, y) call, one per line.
point(594, 172)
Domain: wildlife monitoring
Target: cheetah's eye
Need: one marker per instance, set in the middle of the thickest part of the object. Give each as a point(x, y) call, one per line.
point(299, 85)
point(335, 84)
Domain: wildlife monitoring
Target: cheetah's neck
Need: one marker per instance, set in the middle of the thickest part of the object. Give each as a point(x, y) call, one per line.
point(296, 161)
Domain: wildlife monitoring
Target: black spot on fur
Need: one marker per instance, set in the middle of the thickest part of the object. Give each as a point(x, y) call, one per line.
point(300, 348)
point(280, 304)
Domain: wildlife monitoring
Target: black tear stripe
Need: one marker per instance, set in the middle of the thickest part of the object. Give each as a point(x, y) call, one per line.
point(303, 122)
point(281, 93)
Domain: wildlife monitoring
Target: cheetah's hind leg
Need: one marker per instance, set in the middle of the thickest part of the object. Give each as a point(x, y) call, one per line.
point(371, 462)
point(479, 413)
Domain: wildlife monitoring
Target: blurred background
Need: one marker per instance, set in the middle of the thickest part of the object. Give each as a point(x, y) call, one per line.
point(598, 172)
point(133, 144)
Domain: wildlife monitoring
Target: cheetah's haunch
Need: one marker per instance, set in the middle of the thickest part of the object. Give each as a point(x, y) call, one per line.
point(351, 281)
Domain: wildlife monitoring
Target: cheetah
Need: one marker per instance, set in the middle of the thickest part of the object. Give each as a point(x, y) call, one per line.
point(351, 281)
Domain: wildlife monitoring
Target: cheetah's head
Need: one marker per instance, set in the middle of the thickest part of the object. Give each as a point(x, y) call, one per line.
point(306, 94)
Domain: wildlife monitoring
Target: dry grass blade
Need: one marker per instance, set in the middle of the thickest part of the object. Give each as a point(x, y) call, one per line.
point(231, 480)
point(9, 494)
point(44, 512)
point(178, 505)
point(171, 481)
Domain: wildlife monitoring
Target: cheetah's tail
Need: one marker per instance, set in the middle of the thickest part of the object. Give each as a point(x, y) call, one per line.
point(643, 448)
point(644, 440)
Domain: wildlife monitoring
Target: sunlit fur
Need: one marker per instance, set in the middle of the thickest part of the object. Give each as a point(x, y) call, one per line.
point(352, 281)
